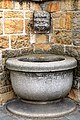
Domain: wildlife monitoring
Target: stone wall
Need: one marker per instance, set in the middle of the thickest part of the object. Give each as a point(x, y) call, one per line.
point(17, 36)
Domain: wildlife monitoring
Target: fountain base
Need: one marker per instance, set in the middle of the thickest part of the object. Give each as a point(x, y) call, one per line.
point(42, 109)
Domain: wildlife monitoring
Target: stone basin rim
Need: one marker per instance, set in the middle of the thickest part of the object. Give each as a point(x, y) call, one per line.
point(17, 65)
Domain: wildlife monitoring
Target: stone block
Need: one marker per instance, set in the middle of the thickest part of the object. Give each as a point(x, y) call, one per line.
point(52, 6)
point(66, 5)
point(62, 37)
point(76, 83)
point(74, 94)
point(62, 20)
point(40, 48)
point(35, 6)
point(75, 5)
point(25, 5)
point(4, 42)
point(13, 26)
point(78, 4)
point(41, 38)
point(29, 15)
point(6, 97)
point(77, 73)
point(5, 75)
point(4, 83)
point(68, 22)
point(20, 41)
point(13, 14)
point(76, 20)
point(57, 49)
point(1, 28)
point(27, 50)
point(59, 20)
point(7, 53)
point(21, 5)
point(6, 4)
point(1, 4)
point(73, 51)
point(76, 42)
point(1, 14)
point(28, 26)
point(76, 34)
point(5, 89)
point(16, 5)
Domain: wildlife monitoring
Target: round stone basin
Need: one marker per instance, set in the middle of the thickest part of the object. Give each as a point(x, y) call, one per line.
point(41, 77)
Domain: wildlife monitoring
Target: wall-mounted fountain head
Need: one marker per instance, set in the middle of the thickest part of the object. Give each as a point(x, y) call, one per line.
point(42, 22)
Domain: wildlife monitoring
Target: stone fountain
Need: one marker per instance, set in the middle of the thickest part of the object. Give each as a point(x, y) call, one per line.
point(41, 82)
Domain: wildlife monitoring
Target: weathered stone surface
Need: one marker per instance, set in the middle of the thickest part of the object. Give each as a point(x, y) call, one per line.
point(76, 42)
point(4, 83)
point(62, 20)
point(8, 53)
point(78, 4)
point(68, 20)
point(52, 6)
point(16, 5)
point(29, 15)
point(77, 72)
point(35, 6)
point(66, 5)
point(24, 5)
point(1, 28)
point(40, 48)
point(41, 38)
point(65, 18)
point(11, 53)
point(1, 14)
point(25, 51)
point(76, 83)
point(4, 42)
point(74, 94)
point(5, 76)
point(58, 20)
point(5, 89)
point(13, 14)
point(28, 26)
point(7, 4)
point(62, 37)
point(13, 26)
point(73, 51)
point(75, 4)
point(57, 49)
point(20, 41)
point(76, 20)
point(76, 35)
point(42, 22)
point(6, 96)
point(42, 78)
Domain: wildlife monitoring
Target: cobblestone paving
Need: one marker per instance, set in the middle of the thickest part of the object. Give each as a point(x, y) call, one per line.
point(5, 115)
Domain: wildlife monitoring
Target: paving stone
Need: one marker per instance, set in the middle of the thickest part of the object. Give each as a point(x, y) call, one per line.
point(74, 116)
point(2, 115)
point(8, 118)
point(64, 118)
point(5, 115)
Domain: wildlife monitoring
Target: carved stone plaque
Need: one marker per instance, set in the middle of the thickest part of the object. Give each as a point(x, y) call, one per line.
point(41, 22)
